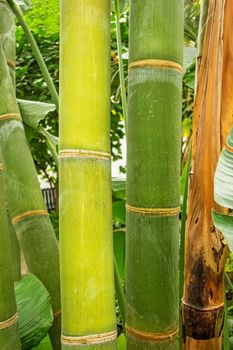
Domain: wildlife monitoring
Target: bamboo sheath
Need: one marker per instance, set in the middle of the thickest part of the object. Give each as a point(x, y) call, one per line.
point(205, 257)
point(153, 158)
point(9, 336)
point(87, 278)
point(23, 194)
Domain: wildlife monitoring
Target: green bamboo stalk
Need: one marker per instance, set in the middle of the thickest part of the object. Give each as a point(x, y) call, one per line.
point(24, 197)
point(119, 293)
point(120, 60)
point(153, 174)
point(9, 335)
point(7, 36)
point(86, 243)
point(182, 240)
point(36, 51)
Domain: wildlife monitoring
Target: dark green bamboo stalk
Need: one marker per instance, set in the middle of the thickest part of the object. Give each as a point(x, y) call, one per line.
point(87, 274)
point(153, 174)
point(36, 51)
point(9, 335)
point(119, 293)
point(24, 197)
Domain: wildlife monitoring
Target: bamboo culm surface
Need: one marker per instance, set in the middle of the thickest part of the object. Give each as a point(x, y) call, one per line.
point(23, 194)
point(153, 171)
point(86, 244)
point(9, 334)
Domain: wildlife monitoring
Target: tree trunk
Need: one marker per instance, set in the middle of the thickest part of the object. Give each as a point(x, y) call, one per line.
point(87, 277)
point(153, 173)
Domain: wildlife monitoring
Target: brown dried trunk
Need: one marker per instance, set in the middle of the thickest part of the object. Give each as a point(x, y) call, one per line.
point(205, 249)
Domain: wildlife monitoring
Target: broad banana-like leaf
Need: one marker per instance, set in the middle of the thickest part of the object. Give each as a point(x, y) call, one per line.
point(223, 191)
point(33, 112)
point(123, 5)
point(35, 311)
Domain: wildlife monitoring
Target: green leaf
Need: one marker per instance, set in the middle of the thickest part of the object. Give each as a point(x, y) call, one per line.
point(189, 76)
point(224, 223)
point(121, 343)
point(119, 211)
point(119, 188)
point(33, 112)
point(190, 54)
point(35, 310)
point(44, 345)
point(223, 180)
point(119, 251)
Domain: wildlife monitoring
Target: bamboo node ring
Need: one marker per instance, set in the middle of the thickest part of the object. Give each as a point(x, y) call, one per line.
point(152, 336)
point(89, 339)
point(203, 308)
point(10, 322)
point(28, 214)
point(153, 211)
point(163, 64)
point(10, 116)
point(57, 314)
point(11, 63)
point(81, 153)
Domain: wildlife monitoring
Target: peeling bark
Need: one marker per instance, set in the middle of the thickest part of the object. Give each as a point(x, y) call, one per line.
point(205, 250)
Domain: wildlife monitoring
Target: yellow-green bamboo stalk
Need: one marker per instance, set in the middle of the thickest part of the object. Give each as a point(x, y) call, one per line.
point(9, 335)
point(87, 278)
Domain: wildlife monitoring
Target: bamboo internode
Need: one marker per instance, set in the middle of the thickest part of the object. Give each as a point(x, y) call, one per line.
point(162, 64)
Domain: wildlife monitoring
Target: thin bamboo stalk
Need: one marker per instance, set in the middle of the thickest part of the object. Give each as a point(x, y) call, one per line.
point(87, 274)
point(44, 70)
point(24, 197)
point(153, 174)
point(120, 59)
point(205, 249)
point(9, 335)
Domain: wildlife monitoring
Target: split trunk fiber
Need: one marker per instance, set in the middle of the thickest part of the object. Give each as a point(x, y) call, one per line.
point(153, 172)
point(24, 197)
point(9, 334)
point(87, 278)
point(205, 249)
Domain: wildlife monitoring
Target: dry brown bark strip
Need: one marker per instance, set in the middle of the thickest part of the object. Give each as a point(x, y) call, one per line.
point(205, 249)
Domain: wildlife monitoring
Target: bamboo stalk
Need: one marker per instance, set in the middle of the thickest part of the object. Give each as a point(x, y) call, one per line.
point(7, 38)
point(23, 193)
point(153, 173)
point(205, 249)
point(120, 59)
point(16, 10)
point(87, 274)
point(9, 335)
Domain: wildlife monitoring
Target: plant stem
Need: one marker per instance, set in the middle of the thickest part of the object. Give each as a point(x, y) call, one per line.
point(120, 293)
point(182, 238)
point(15, 8)
point(120, 59)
